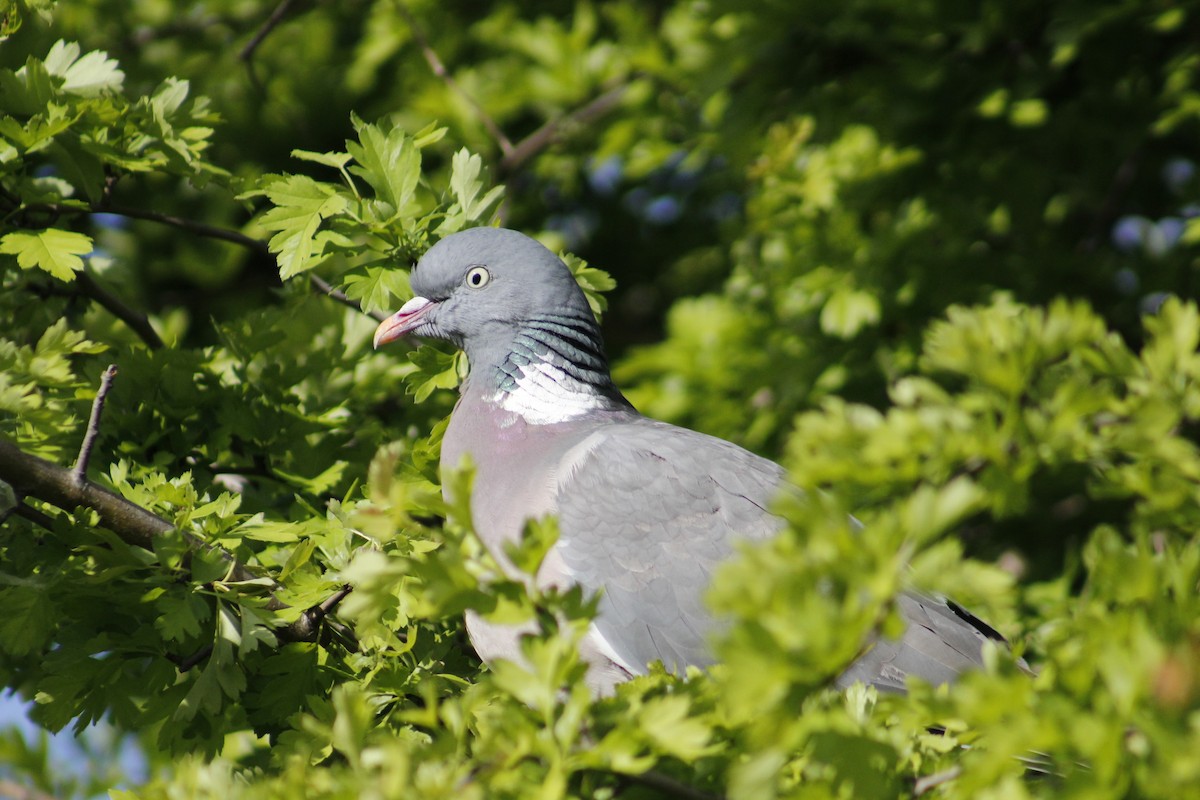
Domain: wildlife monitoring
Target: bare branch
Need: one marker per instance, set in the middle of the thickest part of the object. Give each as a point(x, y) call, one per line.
point(235, 237)
point(198, 228)
point(331, 602)
point(138, 322)
point(185, 664)
point(32, 514)
point(670, 786)
point(929, 782)
point(557, 128)
point(304, 629)
point(35, 477)
point(281, 11)
point(142, 326)
point(93, 426)
point(323, 286)
point(439, 69)
point(1102, 219)
point(31, 476)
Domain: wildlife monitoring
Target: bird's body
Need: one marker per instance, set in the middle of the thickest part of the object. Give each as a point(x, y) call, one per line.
point(646, 510)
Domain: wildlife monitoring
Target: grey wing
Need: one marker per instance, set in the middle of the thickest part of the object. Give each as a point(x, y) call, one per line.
point(940, 641)
point(646, 512)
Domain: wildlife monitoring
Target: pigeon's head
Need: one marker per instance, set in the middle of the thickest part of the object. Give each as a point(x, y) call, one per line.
point(477, 285)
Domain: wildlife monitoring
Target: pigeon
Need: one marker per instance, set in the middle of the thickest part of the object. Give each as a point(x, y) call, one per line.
point(646, 510)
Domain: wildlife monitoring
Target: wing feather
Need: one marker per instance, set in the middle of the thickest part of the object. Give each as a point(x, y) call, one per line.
point(646, 513)
point(676, 501)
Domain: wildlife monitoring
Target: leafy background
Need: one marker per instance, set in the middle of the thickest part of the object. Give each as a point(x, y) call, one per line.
point(937, 259)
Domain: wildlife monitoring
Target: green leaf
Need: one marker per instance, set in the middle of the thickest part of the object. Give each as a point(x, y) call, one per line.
point(10, 20)
point(29, 89)
point(301, 205)
point(221, 676)
point(389, 161)
point(317, 484)
point(256, 633)
point(536, 540)
point(28, 619)
point(168, 97)
point(666, 721)
point(435, 370)
point(180, 615)
point(83, 169)
point(261, 530)
point(378, 288)
point(1028, 113)
point(53, 250)
point(594, 282)
point(848, 311)
point(93, 74)
point(329, 159)
point(464, 180)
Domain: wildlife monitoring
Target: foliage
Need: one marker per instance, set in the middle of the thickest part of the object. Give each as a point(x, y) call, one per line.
point(935, 260)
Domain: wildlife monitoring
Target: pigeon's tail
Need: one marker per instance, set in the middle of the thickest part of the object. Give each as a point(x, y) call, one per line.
point(941, 640)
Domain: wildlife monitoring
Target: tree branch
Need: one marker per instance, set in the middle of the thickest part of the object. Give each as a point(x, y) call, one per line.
point(234, 237)
point(556, 128)
point(671, 787)
point(281, 11)
point(439, 69)
point(138, 322)
point(929, 782)
point(185, 664)
point(35, 477)
point(323, 610)
point(1103, 218)
point(323, 286)
point(32, 514)
point(93, 426)
point(198, 228)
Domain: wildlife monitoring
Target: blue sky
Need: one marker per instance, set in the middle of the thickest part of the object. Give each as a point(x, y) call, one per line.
point(68, 755)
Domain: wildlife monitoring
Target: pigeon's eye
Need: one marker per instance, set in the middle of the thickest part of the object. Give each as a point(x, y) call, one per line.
point(478, 277)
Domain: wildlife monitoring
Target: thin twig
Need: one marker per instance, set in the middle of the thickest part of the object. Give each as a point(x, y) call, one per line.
point(439, 69)
point(1122, 179)
point(672, 787)
point(310, 624)
point(935, 780)
point(93, 427)
point(553, 130)
point(113, 304)
point(185, 664)
point(312, 620)
point(138, 322)
point(235, 237)
point(323, 286)
point(265, 29)
point(198, 228)
point(33, 515)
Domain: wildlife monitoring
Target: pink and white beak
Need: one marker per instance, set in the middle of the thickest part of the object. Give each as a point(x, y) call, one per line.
point(407, 319)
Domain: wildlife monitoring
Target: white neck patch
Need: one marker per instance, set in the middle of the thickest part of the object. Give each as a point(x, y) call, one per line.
point(545, 394)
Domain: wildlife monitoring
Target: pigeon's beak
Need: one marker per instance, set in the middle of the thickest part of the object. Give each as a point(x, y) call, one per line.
point(407, 319)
